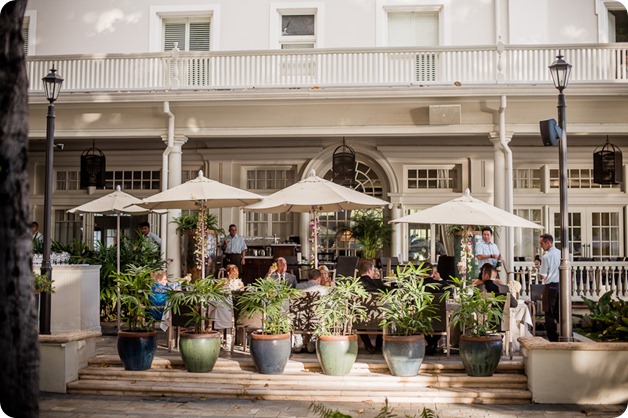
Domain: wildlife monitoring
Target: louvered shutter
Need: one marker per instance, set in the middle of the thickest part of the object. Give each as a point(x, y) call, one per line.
point(25, 26)
point(416, 29)
point(199, 36)
point(174, 32)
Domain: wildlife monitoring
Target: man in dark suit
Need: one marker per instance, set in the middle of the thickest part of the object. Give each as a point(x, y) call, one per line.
point(281, 273)
point(371, 284)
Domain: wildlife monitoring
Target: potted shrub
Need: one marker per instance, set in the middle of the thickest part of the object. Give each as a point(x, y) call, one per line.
point(479, 315)
point(138, 343)
point(407, 313)
point(371, 231)
point(271, 345)
point(336, 344)
point(200, 348)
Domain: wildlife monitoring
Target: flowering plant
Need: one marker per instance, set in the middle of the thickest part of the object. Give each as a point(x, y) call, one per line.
point(466, 254)
point(315, 232)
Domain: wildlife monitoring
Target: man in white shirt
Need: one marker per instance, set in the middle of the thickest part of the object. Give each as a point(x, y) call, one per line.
point(486, 251)
point(234, 248)
point(145, 228)
point(549, 273)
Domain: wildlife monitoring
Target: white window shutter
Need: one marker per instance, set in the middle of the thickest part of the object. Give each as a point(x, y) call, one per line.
point(413, 29)
point(199, 36)
point(174, 32)
point(25, 26)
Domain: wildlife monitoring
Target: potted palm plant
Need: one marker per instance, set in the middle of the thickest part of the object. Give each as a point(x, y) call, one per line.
point(371, 231)
point(479, 315)
point(407, 312)
point(138, 343)
point(336, 344)
point(270, 346)
point(200, 348)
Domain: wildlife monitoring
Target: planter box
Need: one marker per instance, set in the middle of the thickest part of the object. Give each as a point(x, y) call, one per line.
point(576, 372)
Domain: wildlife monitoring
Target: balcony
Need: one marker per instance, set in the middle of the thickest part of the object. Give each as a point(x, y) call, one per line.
point(325, 68)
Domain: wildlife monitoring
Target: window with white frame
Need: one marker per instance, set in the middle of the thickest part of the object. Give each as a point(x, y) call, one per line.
point(269, 180)
point(526, 239)
point(527, 178)
point(433, 178)
point(298, 30)
point(577, 178)
point(68, 227)
point(133, 180)
point(419, 29)
point(190, 34)
point(68, 180)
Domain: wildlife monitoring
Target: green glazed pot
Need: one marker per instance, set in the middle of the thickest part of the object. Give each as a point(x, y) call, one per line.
point(480, 355)
point(199, 351)
point(337, 353)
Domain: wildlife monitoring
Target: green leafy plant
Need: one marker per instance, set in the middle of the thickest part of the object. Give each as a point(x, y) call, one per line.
point(409, 308)
point(198, 295)
point(270, 298)
point(43, 284)
point(343, 305)
point(479, 313)
point(135, 289)
point(189, 221)
point(609, 318)
point(371, 231)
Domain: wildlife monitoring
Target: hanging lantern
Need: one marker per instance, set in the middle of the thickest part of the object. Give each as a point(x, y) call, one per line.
point(343, 165)
point(92, 168)
point(607, 164)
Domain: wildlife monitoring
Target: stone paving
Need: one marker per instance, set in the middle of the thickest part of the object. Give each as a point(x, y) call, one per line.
point(54, 405)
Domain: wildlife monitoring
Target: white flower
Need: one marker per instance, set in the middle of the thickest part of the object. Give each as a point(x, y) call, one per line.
point(514, 287)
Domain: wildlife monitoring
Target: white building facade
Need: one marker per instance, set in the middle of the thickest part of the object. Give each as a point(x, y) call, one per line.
point(434, 97)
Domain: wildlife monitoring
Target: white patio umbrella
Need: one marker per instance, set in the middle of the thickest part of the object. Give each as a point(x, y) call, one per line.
point(466, 210)
point(116, 203)
point(200, 193)
point(315, 194)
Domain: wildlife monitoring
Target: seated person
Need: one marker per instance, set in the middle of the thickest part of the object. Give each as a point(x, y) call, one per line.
point(372, 284)
point(326, 279)
point(159, 293)
point(279, 271)
point(313, 283)
point(489, 282)
point(233, 280)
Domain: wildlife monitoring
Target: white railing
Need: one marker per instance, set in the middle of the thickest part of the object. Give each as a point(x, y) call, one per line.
point(592, 63)
point(590, 279)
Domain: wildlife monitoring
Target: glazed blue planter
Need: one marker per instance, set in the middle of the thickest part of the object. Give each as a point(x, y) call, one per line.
point(199, 351)
point(270, 353)
point(137, 349)
point(480, 355)
point(404, 354)
point(337, 353)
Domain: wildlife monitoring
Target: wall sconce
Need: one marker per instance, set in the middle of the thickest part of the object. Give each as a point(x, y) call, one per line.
point(343, 165)
point(93, 166)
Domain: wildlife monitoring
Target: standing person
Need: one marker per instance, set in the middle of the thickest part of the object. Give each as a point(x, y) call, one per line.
point(486, 251)
point(37, 236)
point(234, 248)
point(279, 271)
point(550, 277)
point(145, 229)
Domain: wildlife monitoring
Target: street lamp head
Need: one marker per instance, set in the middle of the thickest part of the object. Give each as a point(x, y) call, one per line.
point(52, 85)
point(560, 70)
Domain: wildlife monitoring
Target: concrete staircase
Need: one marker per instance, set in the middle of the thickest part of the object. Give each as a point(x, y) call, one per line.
point(441, 380)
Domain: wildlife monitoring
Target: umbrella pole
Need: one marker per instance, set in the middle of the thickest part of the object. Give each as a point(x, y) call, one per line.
point(315, 238)
point(118, 270)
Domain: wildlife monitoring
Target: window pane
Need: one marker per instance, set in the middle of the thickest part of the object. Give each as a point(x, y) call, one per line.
point(297, 25)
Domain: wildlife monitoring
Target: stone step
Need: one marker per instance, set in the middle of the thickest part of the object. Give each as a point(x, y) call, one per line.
point(269, 391)
point(310, 380)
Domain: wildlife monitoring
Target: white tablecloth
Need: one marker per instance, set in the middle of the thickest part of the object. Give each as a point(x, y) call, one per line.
point(520, 318)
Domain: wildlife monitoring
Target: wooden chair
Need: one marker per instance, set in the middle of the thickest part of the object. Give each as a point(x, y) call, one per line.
point(441, 325)
point(346, 266)
point(536, 305)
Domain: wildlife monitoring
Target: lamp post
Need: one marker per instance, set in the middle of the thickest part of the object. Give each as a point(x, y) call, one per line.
point(560, 71)
point(52, 86)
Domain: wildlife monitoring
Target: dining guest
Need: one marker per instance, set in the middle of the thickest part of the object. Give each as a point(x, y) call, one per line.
point(489, 282)
point(371, 284)
point(159, 293)
point(326, 279)
point(234, 248)
point(279, 270)
point(313, 284)
point(486, 251)
point(233, 278)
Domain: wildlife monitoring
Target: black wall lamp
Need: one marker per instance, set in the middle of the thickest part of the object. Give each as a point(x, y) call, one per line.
point(607, 164)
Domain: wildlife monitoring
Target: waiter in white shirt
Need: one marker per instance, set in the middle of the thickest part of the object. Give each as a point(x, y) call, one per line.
point(486, 251)
point(234, 248)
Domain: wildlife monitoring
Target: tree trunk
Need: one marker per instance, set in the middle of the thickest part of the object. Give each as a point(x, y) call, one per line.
point(19, 362)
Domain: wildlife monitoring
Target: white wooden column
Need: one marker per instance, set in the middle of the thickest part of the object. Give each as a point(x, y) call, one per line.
point(173, 241)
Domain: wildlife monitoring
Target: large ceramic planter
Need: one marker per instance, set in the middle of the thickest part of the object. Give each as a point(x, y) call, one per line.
point(337, 353)
point(270, 353)
point(199, 351)
point(404, 354)
point(480, 355)
point(137, 349)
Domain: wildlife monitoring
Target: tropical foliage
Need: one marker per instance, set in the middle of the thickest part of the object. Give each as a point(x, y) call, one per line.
point(135, 288)
point(197, 296)
point(343, 305)
point(409, 308)
point(479, 313)
point(43, 284)
point(608, 318)
point(371, 231)
point(270, 298)
point(385, 412)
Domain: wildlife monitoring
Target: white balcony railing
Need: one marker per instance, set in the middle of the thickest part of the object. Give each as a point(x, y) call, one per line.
point(592, 63)
point(590, 279)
